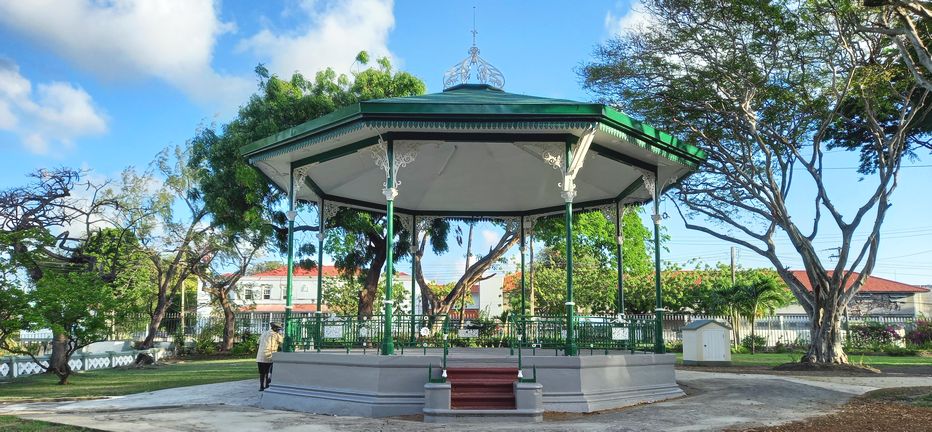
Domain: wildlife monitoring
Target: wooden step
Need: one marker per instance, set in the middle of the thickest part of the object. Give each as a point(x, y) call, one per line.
point(479, 388)
point(482, 401)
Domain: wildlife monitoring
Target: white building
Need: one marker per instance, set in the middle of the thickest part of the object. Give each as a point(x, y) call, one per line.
point(265, 292)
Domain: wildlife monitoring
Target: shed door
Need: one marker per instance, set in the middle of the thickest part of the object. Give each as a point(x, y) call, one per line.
point(713, 346)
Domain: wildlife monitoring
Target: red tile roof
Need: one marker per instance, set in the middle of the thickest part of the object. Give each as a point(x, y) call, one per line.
point(873, 284)
point(300, 271)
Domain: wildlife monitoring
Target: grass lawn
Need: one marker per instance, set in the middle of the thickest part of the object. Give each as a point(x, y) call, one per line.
point(770, 359)
point(116, 382)
point(14, 424)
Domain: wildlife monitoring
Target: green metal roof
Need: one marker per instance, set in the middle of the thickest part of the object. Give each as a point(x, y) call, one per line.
point(481, 103)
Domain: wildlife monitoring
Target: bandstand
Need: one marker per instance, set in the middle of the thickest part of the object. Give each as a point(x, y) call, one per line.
point(473, 151)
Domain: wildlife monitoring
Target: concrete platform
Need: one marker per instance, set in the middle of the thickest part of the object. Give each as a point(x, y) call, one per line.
point(370, 385)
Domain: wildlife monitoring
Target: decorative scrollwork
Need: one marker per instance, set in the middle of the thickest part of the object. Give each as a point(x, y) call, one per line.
point(403, 155)
point(461, 72)
point(609, 212)
point(424, 222)
point(407, 222)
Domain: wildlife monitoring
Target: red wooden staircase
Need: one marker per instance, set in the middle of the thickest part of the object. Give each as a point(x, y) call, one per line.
point(482, 388)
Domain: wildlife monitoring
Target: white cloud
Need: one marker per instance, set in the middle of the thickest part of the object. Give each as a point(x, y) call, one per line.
point(335, 33)
point(169, 39)
point(635, 18)
point(55, 114)
point(490, 237)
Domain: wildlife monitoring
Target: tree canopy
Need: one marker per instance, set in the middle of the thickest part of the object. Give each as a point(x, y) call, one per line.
point(766, 88)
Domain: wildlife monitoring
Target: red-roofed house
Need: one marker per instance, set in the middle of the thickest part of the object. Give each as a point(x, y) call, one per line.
point(877, 296)
point(265, 291)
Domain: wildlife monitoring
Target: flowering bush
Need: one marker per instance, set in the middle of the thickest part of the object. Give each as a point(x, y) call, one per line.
point(873, 334)
point(921, 336)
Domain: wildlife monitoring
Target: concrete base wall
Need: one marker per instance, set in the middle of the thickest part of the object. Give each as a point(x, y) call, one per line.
point(381, 386)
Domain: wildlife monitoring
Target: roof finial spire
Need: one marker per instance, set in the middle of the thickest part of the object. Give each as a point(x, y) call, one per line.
point(462, 71)
point(474, 32)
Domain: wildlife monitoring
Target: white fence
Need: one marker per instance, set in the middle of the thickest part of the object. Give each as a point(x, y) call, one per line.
point(16, 366)
point(782, 329)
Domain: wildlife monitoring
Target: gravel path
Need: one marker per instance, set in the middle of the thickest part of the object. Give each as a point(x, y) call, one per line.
point(715, 401)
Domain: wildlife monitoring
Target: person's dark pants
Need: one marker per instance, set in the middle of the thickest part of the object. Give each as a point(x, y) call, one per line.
point(265, 372)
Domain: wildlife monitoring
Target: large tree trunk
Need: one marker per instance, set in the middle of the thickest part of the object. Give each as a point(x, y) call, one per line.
point(161, 308)
point(371, 287)
point(61, 354)
point(229, 322)
point(826, 338)
point(468, 292)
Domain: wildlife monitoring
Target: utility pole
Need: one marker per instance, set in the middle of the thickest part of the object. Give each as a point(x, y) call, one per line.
point(734, 253)
point(736, 323)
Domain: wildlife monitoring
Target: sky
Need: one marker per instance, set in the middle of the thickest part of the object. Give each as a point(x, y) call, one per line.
point(106, 85)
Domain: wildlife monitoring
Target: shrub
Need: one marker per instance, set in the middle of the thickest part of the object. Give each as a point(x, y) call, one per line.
point(921, 335)
point(206, 342)
point(675, 346)
point(739, 350)
point(248, 344)
point(872, 335)
point(759, 342)
point(898, 351)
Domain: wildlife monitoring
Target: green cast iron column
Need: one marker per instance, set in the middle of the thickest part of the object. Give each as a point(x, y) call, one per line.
point(571, 348)
point(388, 345)
point(413, 286)
point(523, 285)
point(658, 311)
point(289, 340)
point(320, 274)
point(619, 264)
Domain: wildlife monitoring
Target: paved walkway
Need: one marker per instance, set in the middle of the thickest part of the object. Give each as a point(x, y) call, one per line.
point(715, 401)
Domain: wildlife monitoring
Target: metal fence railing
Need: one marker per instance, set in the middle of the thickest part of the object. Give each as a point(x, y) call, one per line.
point(546, 331)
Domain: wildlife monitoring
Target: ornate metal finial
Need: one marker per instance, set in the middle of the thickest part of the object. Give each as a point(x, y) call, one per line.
point(462, 71)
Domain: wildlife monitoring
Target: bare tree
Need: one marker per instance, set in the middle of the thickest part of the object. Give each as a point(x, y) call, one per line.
point(766, 88)
point(235, 256)
point(473, 274)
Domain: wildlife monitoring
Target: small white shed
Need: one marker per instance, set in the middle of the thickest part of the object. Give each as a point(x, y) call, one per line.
point(707, 343)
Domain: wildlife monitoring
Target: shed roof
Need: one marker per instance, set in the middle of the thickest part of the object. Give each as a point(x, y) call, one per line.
point(695, 325)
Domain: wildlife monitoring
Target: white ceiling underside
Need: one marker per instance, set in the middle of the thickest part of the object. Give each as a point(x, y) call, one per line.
point(471, 177)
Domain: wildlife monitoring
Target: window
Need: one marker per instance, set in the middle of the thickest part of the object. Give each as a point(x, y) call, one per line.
point(266, 292)
point(249, 293)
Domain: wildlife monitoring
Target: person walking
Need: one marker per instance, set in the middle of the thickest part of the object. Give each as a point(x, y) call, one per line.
point(268, 344)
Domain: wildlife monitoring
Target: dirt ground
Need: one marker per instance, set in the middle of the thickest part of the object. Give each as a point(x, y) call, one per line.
point(769, 370)
point(902, 410)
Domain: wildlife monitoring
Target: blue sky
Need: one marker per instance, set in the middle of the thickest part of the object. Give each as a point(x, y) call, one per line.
point(105, 85)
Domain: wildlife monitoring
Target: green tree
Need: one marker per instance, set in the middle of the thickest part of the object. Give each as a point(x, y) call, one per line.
point(758, 86)
point(76, 304)
point(760, 295)
point(595, 274)
point(241, 199)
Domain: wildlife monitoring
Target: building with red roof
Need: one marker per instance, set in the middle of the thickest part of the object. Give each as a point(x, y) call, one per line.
point(877, 296)
point(265, 291)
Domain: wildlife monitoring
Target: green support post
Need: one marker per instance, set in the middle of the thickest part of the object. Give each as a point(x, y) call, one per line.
point(289, 339)
point(659, 348)
point(320, 276)
point(388, 345)
point(413, 286)
point(571, 349)
point(619, 264)
point(523, 286)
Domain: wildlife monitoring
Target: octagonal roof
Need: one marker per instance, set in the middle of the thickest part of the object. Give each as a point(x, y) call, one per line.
point(479, 151)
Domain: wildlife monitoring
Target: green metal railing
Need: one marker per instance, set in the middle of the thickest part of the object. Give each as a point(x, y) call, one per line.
point(348, 332)
point(593, 333)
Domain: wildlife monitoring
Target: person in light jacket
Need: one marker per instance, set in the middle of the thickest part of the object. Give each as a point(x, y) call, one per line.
point(268, 344)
